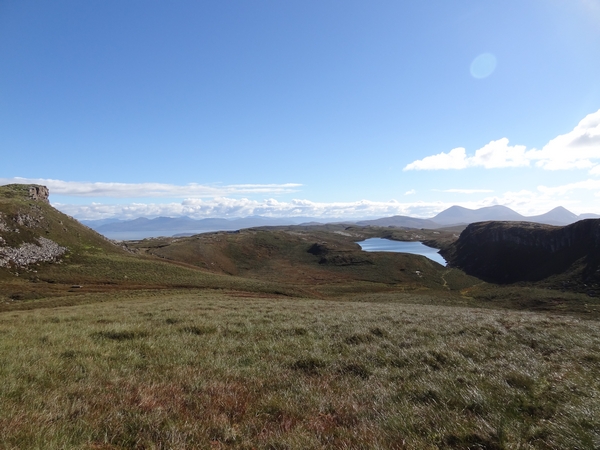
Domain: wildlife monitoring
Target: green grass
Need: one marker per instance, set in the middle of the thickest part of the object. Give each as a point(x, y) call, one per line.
point(203, 369)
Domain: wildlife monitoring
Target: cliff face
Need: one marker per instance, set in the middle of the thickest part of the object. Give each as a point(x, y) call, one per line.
point(38, 192)
point(507, 252)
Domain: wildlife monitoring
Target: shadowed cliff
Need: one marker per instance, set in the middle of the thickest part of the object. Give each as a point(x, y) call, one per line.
point(507, 252)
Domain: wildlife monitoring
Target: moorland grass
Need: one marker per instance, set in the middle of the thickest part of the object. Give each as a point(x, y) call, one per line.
point(208, 370)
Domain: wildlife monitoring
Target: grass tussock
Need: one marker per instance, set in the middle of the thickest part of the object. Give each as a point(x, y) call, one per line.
point(207, 370)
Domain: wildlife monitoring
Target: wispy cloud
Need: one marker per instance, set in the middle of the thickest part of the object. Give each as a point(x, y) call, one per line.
point(151, 190)
point(411, 192)
point(578, 149)
point(464, 191)
point(455, 159)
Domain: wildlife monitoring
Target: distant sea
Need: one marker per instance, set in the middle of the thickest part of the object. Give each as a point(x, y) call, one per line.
point(137, 235)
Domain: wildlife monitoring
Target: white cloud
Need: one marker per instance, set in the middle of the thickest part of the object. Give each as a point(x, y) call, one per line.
point(525, 202)
point(498, 154)
point(455, 159)
point(589, 185)
point(151, 190)
point(236, 207)
point(574, 150)
point(578, 149)
point(411, 192)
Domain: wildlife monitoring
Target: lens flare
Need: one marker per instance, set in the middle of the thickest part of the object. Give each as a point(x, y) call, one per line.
point(483, 66)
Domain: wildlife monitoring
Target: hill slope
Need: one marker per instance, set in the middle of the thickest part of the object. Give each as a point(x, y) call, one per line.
point(325, 260)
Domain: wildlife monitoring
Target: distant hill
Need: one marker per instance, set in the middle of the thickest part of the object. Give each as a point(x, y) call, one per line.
point(458, 215)
point(454, 216)
point(400, 221)
point(557, 216)
point(93, 224)
point(170, 226)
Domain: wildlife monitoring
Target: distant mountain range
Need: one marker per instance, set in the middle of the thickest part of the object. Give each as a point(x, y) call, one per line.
point(455, 215)
point(169, 226)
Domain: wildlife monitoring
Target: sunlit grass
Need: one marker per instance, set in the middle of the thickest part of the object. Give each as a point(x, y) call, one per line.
point(202, 370)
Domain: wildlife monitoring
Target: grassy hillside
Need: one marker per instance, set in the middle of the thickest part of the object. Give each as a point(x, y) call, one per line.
point(317, 258)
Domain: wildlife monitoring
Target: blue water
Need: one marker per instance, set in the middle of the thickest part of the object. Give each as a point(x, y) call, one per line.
point(416, 248)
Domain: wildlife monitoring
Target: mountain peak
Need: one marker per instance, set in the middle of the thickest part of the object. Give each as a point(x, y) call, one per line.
point(456, 215)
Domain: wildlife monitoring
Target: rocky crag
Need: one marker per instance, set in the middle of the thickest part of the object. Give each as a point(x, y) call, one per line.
point(39, 249)
point(38, 192)
point(33, 232)
point(508, 252)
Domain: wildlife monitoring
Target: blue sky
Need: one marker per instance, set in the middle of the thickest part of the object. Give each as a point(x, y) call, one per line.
point(312, 108)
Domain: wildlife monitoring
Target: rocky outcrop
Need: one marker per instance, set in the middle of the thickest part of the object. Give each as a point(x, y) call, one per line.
point(35, 192)
point(19, 245)
point(39, 192)
point(32, 231)
point(45, 251)
point(506, 252)
point(350, 255)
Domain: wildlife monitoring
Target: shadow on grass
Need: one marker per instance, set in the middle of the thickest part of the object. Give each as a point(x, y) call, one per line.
point(114, 335)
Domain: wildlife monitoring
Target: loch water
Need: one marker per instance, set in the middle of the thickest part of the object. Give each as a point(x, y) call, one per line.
point(387, 245)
